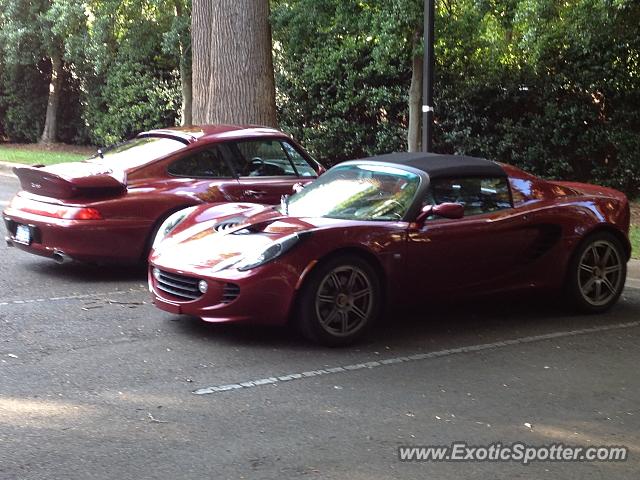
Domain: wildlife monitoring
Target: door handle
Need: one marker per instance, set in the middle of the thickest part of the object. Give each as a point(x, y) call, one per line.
point(254, 193)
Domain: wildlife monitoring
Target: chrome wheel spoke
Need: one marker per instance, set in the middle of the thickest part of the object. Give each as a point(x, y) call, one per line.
point(336, 281)
point(609, 285)
point(329, 319)
point(597, 291)
point(589, 284)
point(352, 280)
point(326, 298)
point(606, 256)
point(359, 313)
point(612, 269)
point(360, 294)
point(344, 322)
point(586, 268)
point(595, 254)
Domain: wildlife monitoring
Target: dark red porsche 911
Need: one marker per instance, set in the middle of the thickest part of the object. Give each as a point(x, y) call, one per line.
point(392, 228)
point(107, 209)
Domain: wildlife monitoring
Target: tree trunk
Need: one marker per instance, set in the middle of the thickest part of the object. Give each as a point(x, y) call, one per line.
point(50, 131)
point(233, 78)
point(184, 46)
point(187, 93)
point(415, 101)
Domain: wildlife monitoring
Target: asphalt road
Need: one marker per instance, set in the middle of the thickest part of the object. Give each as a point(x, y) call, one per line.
point(95, 383)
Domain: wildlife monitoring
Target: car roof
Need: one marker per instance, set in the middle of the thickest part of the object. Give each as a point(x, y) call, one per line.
point(212, 132)
point(439, 165)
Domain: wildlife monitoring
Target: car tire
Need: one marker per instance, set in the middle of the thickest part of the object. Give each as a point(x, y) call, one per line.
point(339, 301)
point(596, 274)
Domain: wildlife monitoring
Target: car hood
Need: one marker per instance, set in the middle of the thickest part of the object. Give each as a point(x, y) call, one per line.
point(208, 243)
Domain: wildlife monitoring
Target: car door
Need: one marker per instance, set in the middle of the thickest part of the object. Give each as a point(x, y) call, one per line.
point(269, 168)
point(206, 174)
point(481, 251)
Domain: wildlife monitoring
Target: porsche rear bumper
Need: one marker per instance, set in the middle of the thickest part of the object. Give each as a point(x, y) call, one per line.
point(105, 240)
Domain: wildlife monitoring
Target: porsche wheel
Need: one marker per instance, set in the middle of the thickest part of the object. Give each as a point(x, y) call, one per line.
point(339, 301)
point(597, 273)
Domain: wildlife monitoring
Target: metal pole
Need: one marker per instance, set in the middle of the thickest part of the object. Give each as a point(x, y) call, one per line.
point(427, 75)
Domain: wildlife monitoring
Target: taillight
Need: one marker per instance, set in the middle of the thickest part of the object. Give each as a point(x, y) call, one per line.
point(82, 214)
point(54, 211)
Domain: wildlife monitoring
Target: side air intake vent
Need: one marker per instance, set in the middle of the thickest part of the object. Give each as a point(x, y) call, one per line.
point(224, 226)
point(230, 292)
point(228, 224)
point(546, 238)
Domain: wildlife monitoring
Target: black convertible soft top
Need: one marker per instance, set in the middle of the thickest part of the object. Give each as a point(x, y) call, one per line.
point(437, 165)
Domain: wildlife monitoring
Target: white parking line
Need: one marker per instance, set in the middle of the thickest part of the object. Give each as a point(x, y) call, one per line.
point(411, 358)
point(67, 297)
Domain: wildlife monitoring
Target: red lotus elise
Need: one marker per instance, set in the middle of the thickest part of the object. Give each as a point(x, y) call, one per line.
point(394, 228)
point(108, 208)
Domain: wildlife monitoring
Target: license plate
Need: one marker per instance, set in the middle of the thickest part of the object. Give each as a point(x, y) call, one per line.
point(23, 235)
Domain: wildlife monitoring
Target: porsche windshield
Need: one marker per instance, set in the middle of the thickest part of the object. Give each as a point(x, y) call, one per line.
point(358, 192)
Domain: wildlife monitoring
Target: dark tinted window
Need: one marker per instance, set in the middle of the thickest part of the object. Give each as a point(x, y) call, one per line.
point(262, 158)
point(301, 165)
point(478, 195)
point(205, 163)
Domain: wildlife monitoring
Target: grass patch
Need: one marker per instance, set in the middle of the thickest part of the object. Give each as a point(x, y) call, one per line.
point(634, 236)
point(35, 155)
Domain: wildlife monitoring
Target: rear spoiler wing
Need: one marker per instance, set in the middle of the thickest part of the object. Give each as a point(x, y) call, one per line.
point(61, 183)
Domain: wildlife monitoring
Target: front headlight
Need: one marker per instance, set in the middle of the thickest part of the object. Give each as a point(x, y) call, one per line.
point(269, 253)
point(171, 222)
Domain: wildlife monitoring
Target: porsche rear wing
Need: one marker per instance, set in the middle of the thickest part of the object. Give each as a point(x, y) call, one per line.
point(70, 180)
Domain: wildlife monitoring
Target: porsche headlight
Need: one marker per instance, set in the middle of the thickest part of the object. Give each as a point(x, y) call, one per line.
point(171, 223)
point(269, 253)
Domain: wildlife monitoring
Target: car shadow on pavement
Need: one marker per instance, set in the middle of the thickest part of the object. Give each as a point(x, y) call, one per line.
point(439, 326)
point(241, 335)
point(88, 273)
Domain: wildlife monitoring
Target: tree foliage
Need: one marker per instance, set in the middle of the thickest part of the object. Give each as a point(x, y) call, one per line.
point(549, 85)
point(121, 63)
point(131, 74)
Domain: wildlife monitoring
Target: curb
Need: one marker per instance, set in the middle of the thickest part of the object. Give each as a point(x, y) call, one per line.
point(633, 269)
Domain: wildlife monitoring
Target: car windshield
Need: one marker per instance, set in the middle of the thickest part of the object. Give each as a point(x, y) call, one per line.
point(358, 192)
point(137, 152)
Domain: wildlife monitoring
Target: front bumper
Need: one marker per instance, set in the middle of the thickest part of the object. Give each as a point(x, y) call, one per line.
point(264, 295)
point(107, 240)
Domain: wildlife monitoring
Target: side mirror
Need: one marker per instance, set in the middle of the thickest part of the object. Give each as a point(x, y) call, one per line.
point(446, 210)
point(449, 210)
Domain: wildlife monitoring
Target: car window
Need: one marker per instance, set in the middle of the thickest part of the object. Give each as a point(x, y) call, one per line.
point(137, 152)
point(357, 192)
point(477, 195)
point(205, 163)
point(299, 162)
point(262, 158)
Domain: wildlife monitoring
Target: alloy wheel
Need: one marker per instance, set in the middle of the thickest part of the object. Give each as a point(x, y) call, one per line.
point(600, 273)
point(344, 300)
